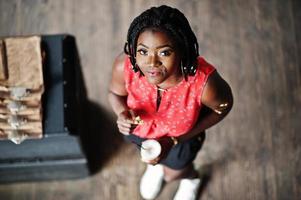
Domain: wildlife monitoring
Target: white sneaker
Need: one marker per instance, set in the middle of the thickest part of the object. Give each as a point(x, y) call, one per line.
point(188, 189)
point(151, 181)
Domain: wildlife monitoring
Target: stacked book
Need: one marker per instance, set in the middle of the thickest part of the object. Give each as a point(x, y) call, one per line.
point(21, 88)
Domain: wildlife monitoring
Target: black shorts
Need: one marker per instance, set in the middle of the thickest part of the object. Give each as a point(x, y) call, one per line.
point(180, 155)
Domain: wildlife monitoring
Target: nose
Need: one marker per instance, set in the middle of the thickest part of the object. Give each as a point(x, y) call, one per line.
point(154, 61)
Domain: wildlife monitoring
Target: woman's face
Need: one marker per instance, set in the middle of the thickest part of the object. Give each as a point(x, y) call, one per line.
point(158, 58)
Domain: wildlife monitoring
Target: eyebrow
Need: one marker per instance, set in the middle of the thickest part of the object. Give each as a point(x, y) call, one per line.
point(158, 47)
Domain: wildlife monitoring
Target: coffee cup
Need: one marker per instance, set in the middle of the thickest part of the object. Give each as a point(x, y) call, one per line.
point(150, 150)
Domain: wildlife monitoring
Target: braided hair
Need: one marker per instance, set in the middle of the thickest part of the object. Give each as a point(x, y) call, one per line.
point(173, 23)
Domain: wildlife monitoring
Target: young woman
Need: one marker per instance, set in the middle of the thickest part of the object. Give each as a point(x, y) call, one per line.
point(161, 80)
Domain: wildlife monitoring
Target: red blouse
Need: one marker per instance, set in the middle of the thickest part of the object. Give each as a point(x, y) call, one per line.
point(179, 108)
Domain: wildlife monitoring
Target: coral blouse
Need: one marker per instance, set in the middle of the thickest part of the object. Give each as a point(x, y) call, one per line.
point(179, 108)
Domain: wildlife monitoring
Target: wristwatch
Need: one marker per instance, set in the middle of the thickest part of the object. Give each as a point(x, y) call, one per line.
point(174, 140)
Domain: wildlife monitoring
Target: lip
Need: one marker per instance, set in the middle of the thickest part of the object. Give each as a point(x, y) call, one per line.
point(153, 73)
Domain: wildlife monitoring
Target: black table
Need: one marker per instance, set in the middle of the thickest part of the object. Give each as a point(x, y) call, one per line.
point(58, 155)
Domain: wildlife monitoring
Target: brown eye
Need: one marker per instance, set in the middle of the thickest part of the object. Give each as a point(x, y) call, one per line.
point(165, 53)
point(142, 51)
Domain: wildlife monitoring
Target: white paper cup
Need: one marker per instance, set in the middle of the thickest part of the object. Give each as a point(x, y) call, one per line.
point(150, 150)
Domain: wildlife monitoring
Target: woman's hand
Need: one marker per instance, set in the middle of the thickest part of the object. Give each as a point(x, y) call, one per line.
point(166, 145)
point(125, 122)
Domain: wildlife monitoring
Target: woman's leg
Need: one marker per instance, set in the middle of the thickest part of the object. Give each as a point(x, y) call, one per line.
point(172, 174)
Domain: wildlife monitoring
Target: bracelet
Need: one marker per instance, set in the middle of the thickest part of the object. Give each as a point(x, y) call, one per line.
point(174, 140)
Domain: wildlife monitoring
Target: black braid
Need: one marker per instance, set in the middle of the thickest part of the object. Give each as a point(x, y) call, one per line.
point(175, 24)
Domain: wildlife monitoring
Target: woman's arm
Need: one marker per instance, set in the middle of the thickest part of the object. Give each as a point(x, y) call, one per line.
point(218, 97)
point(117, 97)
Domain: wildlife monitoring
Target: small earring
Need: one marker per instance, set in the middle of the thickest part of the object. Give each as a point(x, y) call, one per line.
point(183, 70)
point(192, 70)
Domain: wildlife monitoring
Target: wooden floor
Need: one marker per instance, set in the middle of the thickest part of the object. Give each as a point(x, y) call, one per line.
point(254, 154)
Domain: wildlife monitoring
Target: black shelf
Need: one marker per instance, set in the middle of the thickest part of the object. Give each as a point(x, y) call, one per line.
point(59, 154)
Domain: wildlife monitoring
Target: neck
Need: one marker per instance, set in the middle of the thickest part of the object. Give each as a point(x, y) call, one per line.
point(170, 83)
